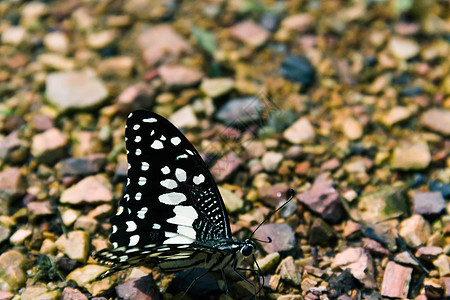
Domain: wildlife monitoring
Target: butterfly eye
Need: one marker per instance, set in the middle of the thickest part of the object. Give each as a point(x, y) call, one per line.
point(247, 250)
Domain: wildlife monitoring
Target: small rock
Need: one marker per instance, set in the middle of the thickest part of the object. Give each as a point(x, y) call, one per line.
point(12, 182)
point(92, 189)
point(273, 194)
point(396, 115)
point(270, 21)
point(428, 203)
point(282, 235)
point(239, 111)
point(415, 230)
point(13, 149)
point(69, 216)
point(179, 76)
point(101, 39)
point(85, 275)
point(121, 66)
point(225, 166)
point(233, 202)
point(87, 224)
point(375, 247)
point(250, 33)
point(100, 211)
point(293, 152)
point(136, 96)
point(411, 156)
point(42, 122)
point(48, 147)
point(360, 264)
point(48, 247)
point(299, 22)
point(298, 69)
point(330, 165)
point(269, 262)
point(289, 271)
point(428, 253)
point(396, 281)
point(39, 208)
point(75, 90)
point(403, 48)
point(4, 295)
point(57, 41)
point(184, 118)
point(215, 87)
point(14, 35)
point(323, 199)
point(86, 143)
point(300, 132)
point(143, 288)
point(73, 294)
point(91, 164)
point(83, 19)
point(19, 237)
point(32, 11)
point(320, 233)
point(75, 245)
point(39, 292)
point(56, 61)
point(437, 120)
point(406, 258)
point(441, 187)
point(443, 265)
point(12, 274)
point(352, 129)
point(271, 161)
point(162, 44)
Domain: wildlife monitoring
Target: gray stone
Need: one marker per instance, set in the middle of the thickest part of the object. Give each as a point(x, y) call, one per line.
point(428, 203)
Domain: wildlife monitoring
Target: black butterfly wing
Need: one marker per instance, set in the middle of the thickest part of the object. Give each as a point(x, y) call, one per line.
point(171, 200)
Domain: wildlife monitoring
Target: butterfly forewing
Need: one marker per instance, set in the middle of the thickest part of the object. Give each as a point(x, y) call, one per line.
point(171, 207)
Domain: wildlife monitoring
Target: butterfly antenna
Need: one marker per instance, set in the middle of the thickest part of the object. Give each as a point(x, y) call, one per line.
point(290, 193)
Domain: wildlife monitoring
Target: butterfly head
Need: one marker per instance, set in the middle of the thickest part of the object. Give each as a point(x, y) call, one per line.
point(248, 248)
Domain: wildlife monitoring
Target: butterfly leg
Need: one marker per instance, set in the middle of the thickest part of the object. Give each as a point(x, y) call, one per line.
point(235, 268)
point(225, 282)
point(192, 283)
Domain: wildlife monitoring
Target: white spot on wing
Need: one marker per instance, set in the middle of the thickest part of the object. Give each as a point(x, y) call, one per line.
point(190, 152)
point(134, 239)
point(157, 145)
point(138, 152)
point(114, 229)
point(141, 213)
point(165, 170)
point(181, 156)
point(175, 140)
point(173, 198)
point(115, 245)
point(131, 226)
point(156, 226)
point(129, 166)
point(179, 239)
point(123, 258)
point(187, 231)
point(137, 139)
point(149, 120)
point(119, 211)
point(184, 215)
point(142, 181)
point(198, 179)
point(129, 115)
point(163, 138)
point(138, 196)
point(180, 174)
point(136, 126)
point(169, 184)
point(152, 133)
point(145, 166)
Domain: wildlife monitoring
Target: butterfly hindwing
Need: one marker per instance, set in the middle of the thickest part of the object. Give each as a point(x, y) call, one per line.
point(171, 200)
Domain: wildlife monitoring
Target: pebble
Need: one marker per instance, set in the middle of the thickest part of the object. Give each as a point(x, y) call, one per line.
point(437, 120)
point(57, 41)
point(39, 208)
point(92, 189)
point(179, 76)
point(101, 39)
point(19, 237)
point(299, 22)
point(360, 264)
point(85, 275)
point(69, 216)
point(121, 66)
point(83, 19)
point(384, 203)
point(184, 118)
point(42, 122)
point(48, 247)
point(100, 211)
point(443, 265)
point(48, 147)
point(320, 233)
point(75, 90)
point(411, 156)
point(136, 96)
point(233, 202)
point(14, 35)
point(323, 199)
point(87, 224)
point(403, 48)
point(298, 69)
point(72, 294)
point(161, 43)
point(294, 152)
point(415, 230)
point(289, 271)
point(12, 182)
point(396, 115)
point(282, 235)
point(268, 262)
point(352, 129)
point(75, 245)
point(13, 149)
point(270, 21)
point(216, 87)
point(12, 274)
point(441, 187)
point(250, 33)
point(39, 292)
point(300, 132)
point(428, 253)
point(32, 11)
point(56, 61)
point(238, 111)
point(271, 160)
point(143, 288)
point(428, 203)
point(396, 281)
point(4, 295)
point(272, 194)
point(224, 167)
point(88, 165)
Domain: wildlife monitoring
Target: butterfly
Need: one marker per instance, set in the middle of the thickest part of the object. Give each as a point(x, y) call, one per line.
point(171, 215)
